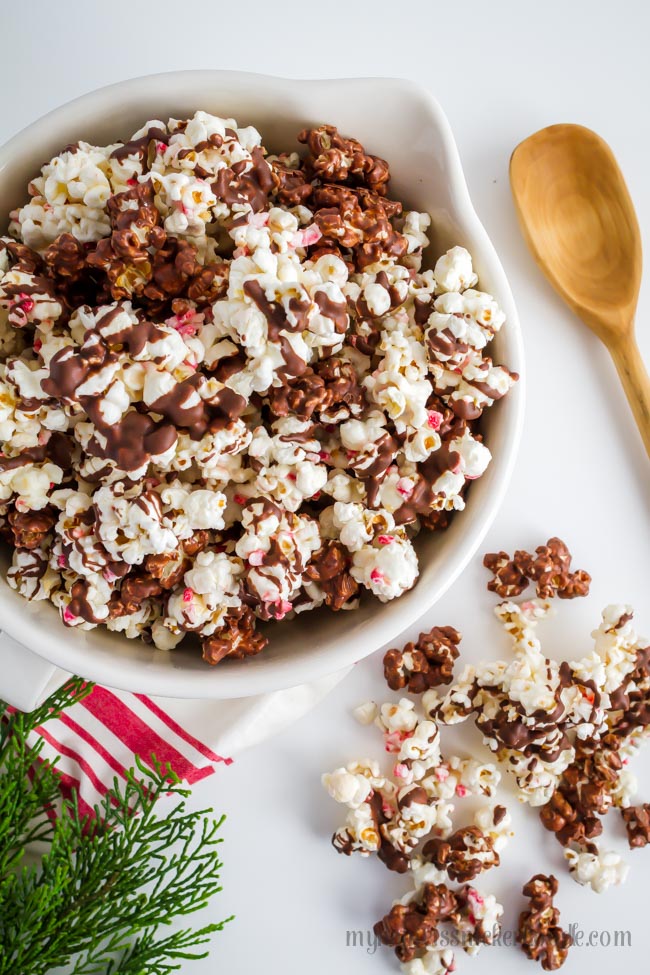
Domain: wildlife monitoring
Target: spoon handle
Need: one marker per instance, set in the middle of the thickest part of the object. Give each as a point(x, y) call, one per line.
point(636, 382)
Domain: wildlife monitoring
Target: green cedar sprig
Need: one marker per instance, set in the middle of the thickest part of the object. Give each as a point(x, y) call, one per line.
point(104, 888)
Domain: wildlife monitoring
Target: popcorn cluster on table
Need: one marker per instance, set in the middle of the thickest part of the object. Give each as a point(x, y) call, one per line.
point(229, 390)
point(392, 814)
point(564, 733)
point(539, 932)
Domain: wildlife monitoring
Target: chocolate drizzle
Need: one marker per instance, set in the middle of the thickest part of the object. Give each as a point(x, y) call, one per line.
point(422, 498)
point(139, 147)
point(278, 324)
point(499, 814)
point(415, 796)
point(465, 408)
point(244, 183)
point(335, 310)
point(387, 853)
point(132, 442)
point(373, 474)
point(79, 605)
point(58, 449)
point(133, 337)
point(423, 311)
point(69, 370)
point(227, 406)
point(445, 343)
point(183, 406)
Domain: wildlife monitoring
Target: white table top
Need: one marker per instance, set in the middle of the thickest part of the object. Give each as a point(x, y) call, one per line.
point(501, 71)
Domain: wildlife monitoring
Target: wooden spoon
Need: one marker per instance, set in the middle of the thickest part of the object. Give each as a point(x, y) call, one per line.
point(579, 221)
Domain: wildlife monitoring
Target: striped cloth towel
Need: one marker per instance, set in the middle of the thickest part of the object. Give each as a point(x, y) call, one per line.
point(97, 738)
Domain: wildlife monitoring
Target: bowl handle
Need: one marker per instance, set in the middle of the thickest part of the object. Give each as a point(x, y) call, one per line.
point(25, 679)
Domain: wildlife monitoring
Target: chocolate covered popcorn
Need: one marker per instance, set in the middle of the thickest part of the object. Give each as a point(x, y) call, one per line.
point(549, 568)
point(424, 664)
point(637, 824)
point(411, 927)
point(539, 932)
point(230, 391)
point(563, 731)
point(402, 812)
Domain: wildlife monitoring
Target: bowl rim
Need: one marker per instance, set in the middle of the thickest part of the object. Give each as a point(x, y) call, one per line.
point(282, 673)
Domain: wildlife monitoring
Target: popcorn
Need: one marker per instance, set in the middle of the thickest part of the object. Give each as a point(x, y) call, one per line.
point(538, 931)
point(565, 731)
point(425, 663)
point(625, 789)
point(423, 746)
point(392, 816)
point(131, 525)
point(214, 575)
point(598, 870)
point(463, 854)
point(193, 510)
point(366, 713)
point(432, 962)
point(31, 576)
point(360, 833)
point(69, 196)
point(400, 717)
point(83, 603)
point(637, 824)
point(386, 570)
point(480, 919)
point(549, 568)
point(495, 822)
point(469, 389)
point(454, 272)
point(29, 300)
point(616, 645)
point(29, 484)
point(400, 385)
point(224, 389)
point(411, 802)
point(473, 777)
point(414, 229)
point(209, 589)
point(349, 787)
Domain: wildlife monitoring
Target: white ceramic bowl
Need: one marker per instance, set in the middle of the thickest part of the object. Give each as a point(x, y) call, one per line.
point(404, 124)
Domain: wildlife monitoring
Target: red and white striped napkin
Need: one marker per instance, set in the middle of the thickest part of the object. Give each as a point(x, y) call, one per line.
point(97, 738)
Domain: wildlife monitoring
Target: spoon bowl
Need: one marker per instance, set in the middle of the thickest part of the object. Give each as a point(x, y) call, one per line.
point(578, 219)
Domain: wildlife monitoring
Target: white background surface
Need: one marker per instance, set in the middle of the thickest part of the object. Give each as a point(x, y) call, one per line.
point(501, 70)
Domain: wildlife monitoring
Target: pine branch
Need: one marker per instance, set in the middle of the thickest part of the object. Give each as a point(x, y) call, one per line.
point(105, 886)
point(157, 957)
point(29, 789)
